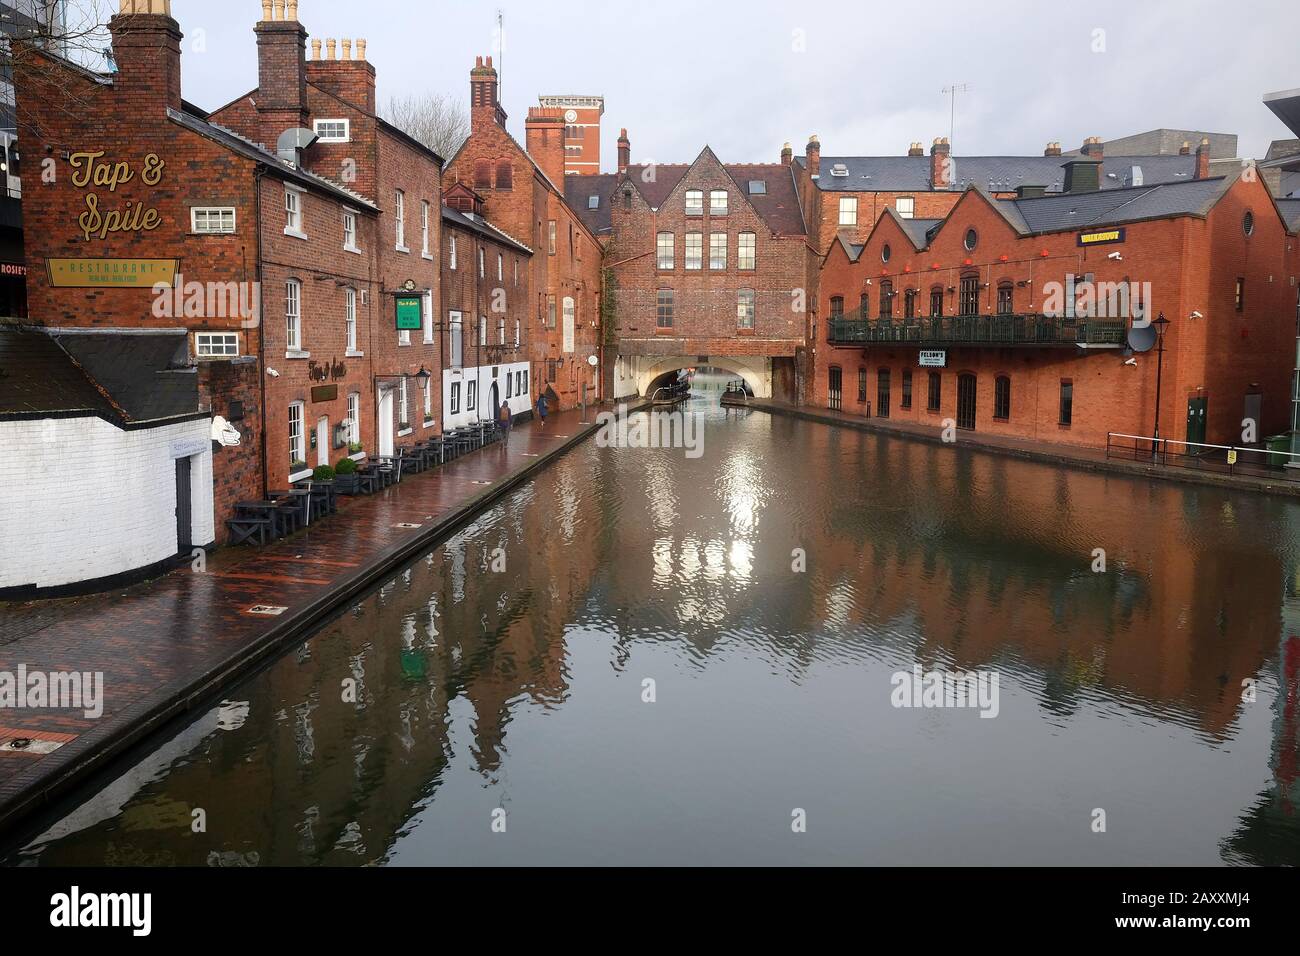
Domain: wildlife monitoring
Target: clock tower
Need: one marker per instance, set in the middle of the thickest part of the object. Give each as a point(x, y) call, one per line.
point(581, 131)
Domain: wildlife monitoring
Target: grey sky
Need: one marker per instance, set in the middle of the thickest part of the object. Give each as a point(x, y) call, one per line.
point(730, 74)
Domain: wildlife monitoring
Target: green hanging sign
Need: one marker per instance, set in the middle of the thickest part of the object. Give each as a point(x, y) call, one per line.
point(410, 312)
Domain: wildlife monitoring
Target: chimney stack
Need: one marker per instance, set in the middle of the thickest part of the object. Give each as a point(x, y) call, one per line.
point(812, 155)
point(1185, 149)
point(1092, 148)
point(787, 154)
point(1203, 159)
point(281, 69)
point(484, 105)
point(147, 50)
point(940, 163)
point(1082, 175)
point(544, 140)
point(351, 80)
point(624, 152)
point(1053, 149)
point(915, 149)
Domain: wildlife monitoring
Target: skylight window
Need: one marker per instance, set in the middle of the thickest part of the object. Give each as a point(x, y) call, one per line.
point(593, 202)
point(757, 187)
point(839, 169)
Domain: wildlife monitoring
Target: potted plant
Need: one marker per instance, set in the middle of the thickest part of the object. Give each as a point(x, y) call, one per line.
point(345, 477)
point(354, 448)
point(323, 473)
point(296, 466)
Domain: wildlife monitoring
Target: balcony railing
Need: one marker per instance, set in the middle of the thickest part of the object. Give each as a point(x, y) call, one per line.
point(996, 330)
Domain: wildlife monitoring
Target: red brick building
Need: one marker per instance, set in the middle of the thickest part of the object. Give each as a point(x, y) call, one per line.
point(708, 264)
point(581, 115)
point(522, 194)
point(486, 308)
point(247, 248)
point(1007, 316)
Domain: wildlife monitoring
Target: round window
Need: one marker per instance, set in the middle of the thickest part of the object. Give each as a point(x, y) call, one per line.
point(1248, 223)
point(885, 253)
point(972, 237)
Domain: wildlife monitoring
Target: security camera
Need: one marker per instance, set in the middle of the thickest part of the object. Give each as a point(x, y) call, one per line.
point(1130, 361)
point(273, 373)
point(1197, 315)
point(1116, 256)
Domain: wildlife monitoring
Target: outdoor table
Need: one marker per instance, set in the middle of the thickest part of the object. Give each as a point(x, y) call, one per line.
point(285, 521)
point(369, 479)
point(324, 497)
point(299, 498)
point(390, 469)
point(410, 457)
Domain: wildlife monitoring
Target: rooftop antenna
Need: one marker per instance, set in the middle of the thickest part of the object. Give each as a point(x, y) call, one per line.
point(501, 52)
point(951, 91)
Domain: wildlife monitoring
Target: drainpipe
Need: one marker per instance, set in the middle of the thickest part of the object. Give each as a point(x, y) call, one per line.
point(258, 174)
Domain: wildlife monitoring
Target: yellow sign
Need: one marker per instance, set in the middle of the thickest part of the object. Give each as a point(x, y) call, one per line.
point(90, 169)
point(110, 273)
point(1232, 456)
point(1101, 237)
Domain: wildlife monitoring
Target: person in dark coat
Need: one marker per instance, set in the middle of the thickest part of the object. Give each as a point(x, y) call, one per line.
point(505, 421)
point(541, 407)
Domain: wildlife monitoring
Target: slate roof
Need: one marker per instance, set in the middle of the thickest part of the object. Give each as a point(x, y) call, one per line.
point(778, 207)
point(1290, 209)
point(1117, 206)
point(483, 228)
point(992, 173)
point(918, 230)
point(126, 379)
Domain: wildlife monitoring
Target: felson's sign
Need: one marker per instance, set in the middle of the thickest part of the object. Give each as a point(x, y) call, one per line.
point(1101, 237)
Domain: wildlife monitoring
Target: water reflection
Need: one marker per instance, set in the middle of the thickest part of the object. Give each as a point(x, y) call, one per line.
point(455, 690)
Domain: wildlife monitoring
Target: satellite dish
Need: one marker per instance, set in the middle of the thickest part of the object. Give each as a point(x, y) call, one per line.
point(1142, 338)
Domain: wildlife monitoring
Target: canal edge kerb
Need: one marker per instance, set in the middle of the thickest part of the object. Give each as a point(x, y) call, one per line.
point(56, 774)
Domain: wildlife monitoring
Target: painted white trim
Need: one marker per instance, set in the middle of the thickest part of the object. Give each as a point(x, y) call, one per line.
point(301, 475)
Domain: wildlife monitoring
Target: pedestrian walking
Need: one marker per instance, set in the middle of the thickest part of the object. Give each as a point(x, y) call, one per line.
point(505, 420)
point(541, 407)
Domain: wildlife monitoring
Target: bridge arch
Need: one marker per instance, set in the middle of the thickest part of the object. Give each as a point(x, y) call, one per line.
point(756, 372)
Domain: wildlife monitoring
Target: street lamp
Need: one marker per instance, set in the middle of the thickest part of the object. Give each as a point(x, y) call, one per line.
point(1160, 323)
point(422, 377)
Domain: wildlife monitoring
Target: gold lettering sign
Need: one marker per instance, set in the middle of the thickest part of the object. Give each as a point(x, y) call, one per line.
point(90, 169)
point(110, 273)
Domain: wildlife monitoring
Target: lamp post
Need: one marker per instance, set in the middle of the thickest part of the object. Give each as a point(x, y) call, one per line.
point(1160, 323)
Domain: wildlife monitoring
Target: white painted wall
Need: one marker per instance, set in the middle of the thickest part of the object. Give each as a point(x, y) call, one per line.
point(82, 499)
point(483, 375)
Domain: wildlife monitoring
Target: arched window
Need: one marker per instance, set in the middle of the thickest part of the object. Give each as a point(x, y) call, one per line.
point(505, 175)
point(968, 299)
point(837, 306)
point(482, 174)
point(862, 386)
point(886, 299)
point(1006, 298)
point(864, 306)
point(936, 301)
point(909, 304)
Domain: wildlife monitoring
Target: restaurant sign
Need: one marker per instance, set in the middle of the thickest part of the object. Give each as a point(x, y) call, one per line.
point(410, 312)
point(935, 359)
point(110, 273)
point(1101, 237)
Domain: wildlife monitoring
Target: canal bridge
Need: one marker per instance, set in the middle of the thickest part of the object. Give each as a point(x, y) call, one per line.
point(642, 374)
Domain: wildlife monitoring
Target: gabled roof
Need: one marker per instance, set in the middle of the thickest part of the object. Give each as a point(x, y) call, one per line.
point(778, 206)
point(1290, 210)
point(1116, 206)
point(482, 227)
point(254, 151)
point(991, 173)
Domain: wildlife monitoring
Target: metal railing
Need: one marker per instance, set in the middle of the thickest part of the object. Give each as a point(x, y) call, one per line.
point(1202, 456)
point(997, 330)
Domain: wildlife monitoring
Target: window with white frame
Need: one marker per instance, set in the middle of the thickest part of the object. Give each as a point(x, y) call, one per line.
point(454, 403)
point(428, 401)
point(399, 219)
point(517, 328)
point(501, 330)
point(471, 396)
point(745, 308)
point(455, 339)
point(665, 247)
point(403, 419)
point(428, 317)
point(212, 220)
point(717, 250)
point(501, 268)
point(354, 418)
point(451, 253)
point(333, 130)
point(350, 319)
point(695, 202)
point(482, 262)
point(292, 211)
point(717, 202)
point(482, 330)
point(293, 315)
point(424, 227)
point(848, 210)
point(745, 245)
point(906, 206)
point(694, 250)
point(297, 439)
point(216, 344)
point(350, 231)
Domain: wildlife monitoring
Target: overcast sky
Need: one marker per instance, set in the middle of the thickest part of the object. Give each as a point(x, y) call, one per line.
point(744, 77)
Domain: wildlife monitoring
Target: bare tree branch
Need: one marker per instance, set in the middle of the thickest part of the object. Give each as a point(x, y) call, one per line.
point(437, 121)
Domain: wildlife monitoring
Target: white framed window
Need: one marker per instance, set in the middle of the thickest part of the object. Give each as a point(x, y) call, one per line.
point(717, 250)
point(216, 344)
point(517, 332)
point(695, 202)
point(501, 330)
point(399, 220)
point(293, 212)
point(745, 309)
point(354, 417)
point(906, 206)
point(482, 262)
point(501, 268)
point(428, 402)
point(848, 210)
point(455, 340)
point(403, 409)
point(482, 330)
point(297, 439)
point(333, 130)
point(293, 315)
point(694, 250)
point(516, 272)
point(664, 243)
point(212, 220)
point(745, 245)
point(451, 253)
point(424, 227)
point(350, 231)
point(471, 395)
point(350, 319)
point(428, 317)
point(717, 202)
point(454, 403)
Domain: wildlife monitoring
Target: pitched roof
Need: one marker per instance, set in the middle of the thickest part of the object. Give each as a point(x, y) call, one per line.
point(778, 206)
point(478, 224)
point(1117, 206)
point(1290, 209)
point(993, 173)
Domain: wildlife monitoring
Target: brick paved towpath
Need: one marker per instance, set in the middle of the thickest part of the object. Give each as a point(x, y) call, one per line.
point(170, 644)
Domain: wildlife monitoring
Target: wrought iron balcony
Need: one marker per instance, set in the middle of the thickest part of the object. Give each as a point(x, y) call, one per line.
point(993, 330)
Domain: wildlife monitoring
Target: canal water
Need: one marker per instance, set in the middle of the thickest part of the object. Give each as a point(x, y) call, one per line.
point(645, 657)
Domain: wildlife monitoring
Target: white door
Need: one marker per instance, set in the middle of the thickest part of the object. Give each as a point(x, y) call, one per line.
point(385, 421)
point(323, 440)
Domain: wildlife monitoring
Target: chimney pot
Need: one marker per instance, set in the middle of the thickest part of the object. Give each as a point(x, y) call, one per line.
point(1203, 159)
point(346, 44)
point(291, 10)
point(315, 49)
point(361, 49)
point(266, 9)
point(329, 48)
point(277, 9)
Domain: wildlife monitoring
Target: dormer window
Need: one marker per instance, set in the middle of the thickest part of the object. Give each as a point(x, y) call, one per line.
point(593, 202)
